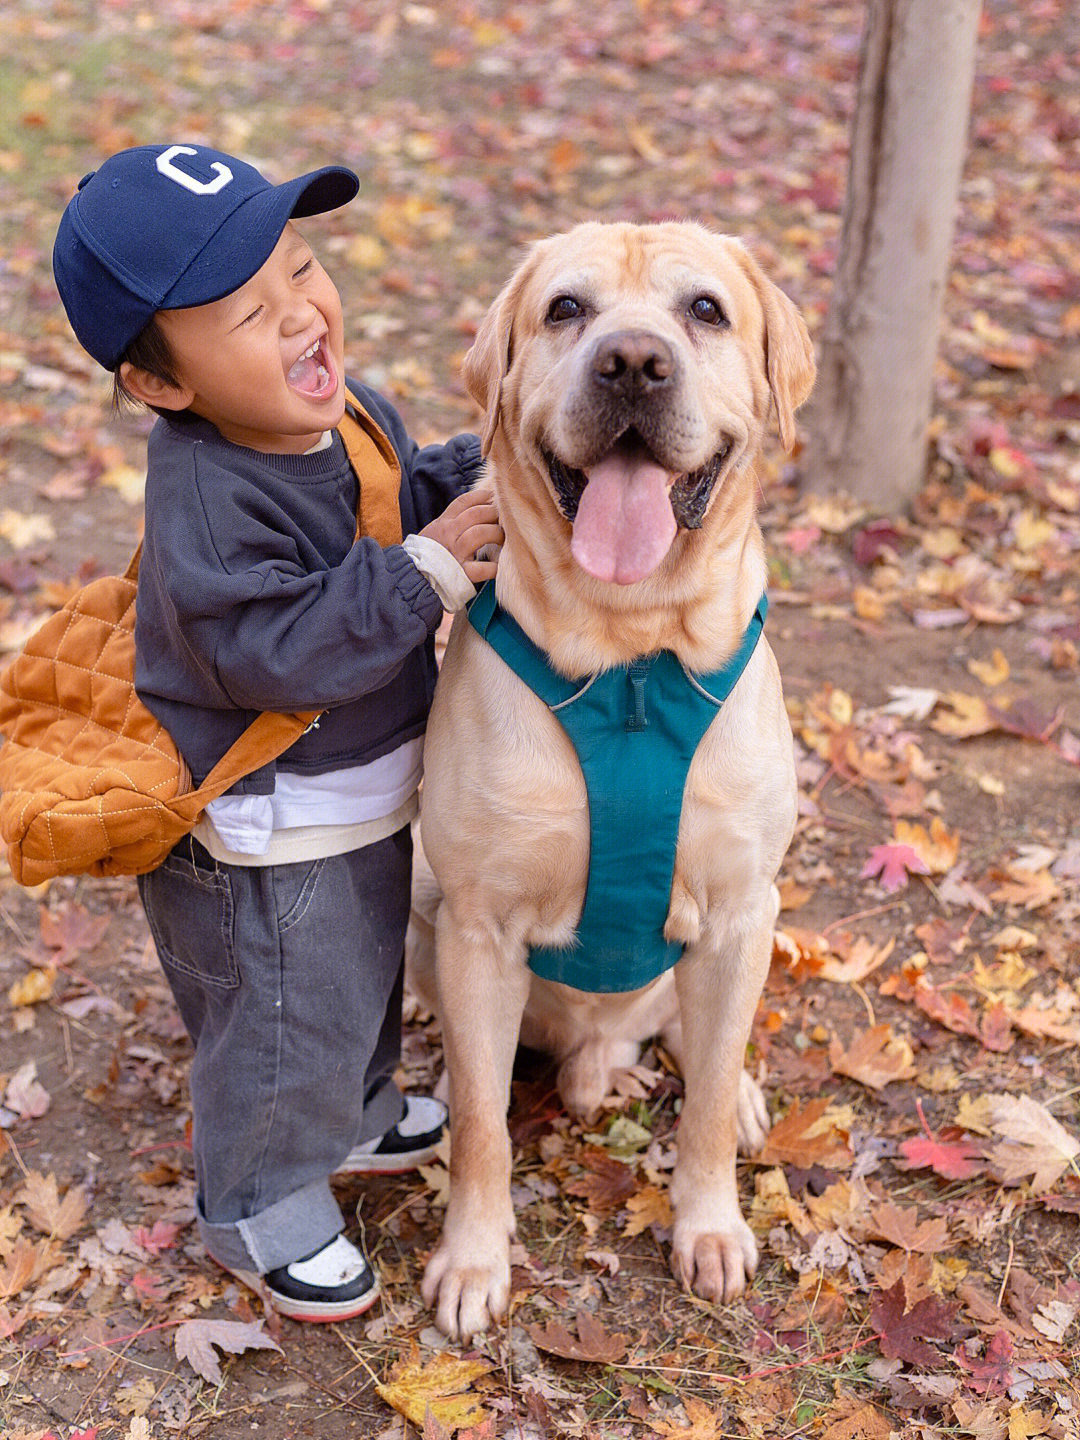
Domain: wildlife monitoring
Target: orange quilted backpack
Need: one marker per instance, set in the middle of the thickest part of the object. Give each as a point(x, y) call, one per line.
point(90, 782)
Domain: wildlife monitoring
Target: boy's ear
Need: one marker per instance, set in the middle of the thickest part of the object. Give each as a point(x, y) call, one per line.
point(152, 390)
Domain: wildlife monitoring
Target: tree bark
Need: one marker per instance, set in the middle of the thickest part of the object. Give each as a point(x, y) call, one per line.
point(868, 424)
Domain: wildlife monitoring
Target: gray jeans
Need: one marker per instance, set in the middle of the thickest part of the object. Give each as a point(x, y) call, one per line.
point(288, 979)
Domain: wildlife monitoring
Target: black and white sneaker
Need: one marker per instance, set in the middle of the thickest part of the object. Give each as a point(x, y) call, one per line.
point(335, 1283)
point(413, 1141)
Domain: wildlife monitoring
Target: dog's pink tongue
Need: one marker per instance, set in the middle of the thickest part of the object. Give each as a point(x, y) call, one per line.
point(624, 524)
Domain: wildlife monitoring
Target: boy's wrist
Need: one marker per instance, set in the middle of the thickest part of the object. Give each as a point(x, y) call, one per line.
point(440, 569)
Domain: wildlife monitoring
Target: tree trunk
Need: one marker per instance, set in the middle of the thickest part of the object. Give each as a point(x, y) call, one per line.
point(868, 424)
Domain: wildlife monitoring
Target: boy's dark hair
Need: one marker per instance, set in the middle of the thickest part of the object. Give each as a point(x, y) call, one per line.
point(149, 351)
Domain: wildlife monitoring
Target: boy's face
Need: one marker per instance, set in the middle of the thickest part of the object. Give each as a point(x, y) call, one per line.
point(265, 364)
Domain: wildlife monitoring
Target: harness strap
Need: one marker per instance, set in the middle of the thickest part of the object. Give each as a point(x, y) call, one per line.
point(635, 729)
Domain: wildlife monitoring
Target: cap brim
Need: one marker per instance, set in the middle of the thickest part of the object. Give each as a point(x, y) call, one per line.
point(245, 241)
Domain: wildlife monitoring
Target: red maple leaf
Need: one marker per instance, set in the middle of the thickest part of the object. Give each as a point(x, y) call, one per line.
point(894, 863)
point(905, 1336)
point(951, 1159)
point(161, 1236)
point(993, 1374)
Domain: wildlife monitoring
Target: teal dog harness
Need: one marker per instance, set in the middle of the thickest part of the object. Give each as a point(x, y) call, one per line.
point(635, 729)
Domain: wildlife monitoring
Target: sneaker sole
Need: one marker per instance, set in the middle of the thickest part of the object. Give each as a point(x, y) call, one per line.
point(317, 1312)
point(389, 1164)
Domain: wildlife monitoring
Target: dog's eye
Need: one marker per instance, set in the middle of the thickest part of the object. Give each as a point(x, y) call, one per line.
point(708, 311)
point(564, 307)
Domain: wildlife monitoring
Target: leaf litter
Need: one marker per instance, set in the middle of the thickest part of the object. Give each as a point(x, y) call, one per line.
point(918, 1202)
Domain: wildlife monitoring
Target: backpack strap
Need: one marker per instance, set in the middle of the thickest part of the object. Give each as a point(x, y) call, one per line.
point(268, 735)
point(378, 469)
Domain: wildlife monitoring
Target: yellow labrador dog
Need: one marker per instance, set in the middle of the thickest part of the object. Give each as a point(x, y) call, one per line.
point(626, 373)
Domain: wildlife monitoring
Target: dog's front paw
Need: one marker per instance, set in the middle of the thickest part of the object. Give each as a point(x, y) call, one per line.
point(715, 1264)
point(752, 1116)
point(469, 1290)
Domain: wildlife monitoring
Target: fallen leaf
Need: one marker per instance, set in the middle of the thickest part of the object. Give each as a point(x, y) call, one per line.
point(650, 1206)
point(414, 1387)
point(994, 671)
point(195, 1341)
point(894, 863)
point(937, 847)
point(905, 1335)
point(951, 1159)
point(34, 987)
point(592, 1343)
point(875, 1058)
point(808, 1136)
point(1034, 1144)
point(900, 1226)
point(607, 1183)
point(59, 1219)
point(25, 1095)
point(993, 1373)
point(705, 1424)
point(963, 717)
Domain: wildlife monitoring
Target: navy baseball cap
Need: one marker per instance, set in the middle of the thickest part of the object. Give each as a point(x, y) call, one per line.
point(162, 227)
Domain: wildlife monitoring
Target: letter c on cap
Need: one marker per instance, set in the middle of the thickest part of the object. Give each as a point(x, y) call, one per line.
point(164, 163)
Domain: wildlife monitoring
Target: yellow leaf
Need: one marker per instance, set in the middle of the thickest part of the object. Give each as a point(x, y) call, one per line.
point(991, 672)
point(650, 1206)
point(1005, 462)
point(367, 252)
point(943, 543)
point(937, 848)
point(129, 482)
point(1030, 531)
point(414, 1386)
point(21, 531)
point(34, 987)
point(969, 716)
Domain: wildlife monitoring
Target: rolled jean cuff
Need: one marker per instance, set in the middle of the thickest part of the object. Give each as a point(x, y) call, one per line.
point(291, 1229)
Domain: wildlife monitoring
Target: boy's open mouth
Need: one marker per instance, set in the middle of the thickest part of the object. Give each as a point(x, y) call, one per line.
point(313, 373)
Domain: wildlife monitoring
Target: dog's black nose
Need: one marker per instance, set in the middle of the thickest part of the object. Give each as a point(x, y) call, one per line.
point(633, 361)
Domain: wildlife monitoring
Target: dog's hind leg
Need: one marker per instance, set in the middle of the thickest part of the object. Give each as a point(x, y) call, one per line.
point(482, 993)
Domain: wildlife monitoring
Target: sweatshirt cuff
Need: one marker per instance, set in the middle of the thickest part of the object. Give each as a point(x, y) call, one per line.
point(442, 572)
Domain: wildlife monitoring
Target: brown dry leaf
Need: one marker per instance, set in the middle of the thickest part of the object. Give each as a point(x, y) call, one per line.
point(1031, 889)
point(592, 1343)
point(901, 1226)
point(874, 1058)
point(862, 958)
point(25, 1264)
point(650, 1206)
point(1034, 1144)
point(705, 1424)
point(865, 1423)
point(808, 1135)
point(59, 1219)
point(10, 1225)
point(195, 1341)
point(414, 1386)
point(607, 1184)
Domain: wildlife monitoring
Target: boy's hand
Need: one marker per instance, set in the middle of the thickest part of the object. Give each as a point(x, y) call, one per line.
point(466, 525)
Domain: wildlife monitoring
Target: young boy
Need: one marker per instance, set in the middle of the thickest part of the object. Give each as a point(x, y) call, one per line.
point(280, 922)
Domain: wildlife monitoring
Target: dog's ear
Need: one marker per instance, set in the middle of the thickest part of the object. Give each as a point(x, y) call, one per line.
point(492, 353)
point(789, 352)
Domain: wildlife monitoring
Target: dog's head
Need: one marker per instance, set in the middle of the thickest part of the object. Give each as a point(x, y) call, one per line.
point(632, 368)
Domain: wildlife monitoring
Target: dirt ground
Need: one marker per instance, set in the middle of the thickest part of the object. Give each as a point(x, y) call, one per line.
point(930, 662)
